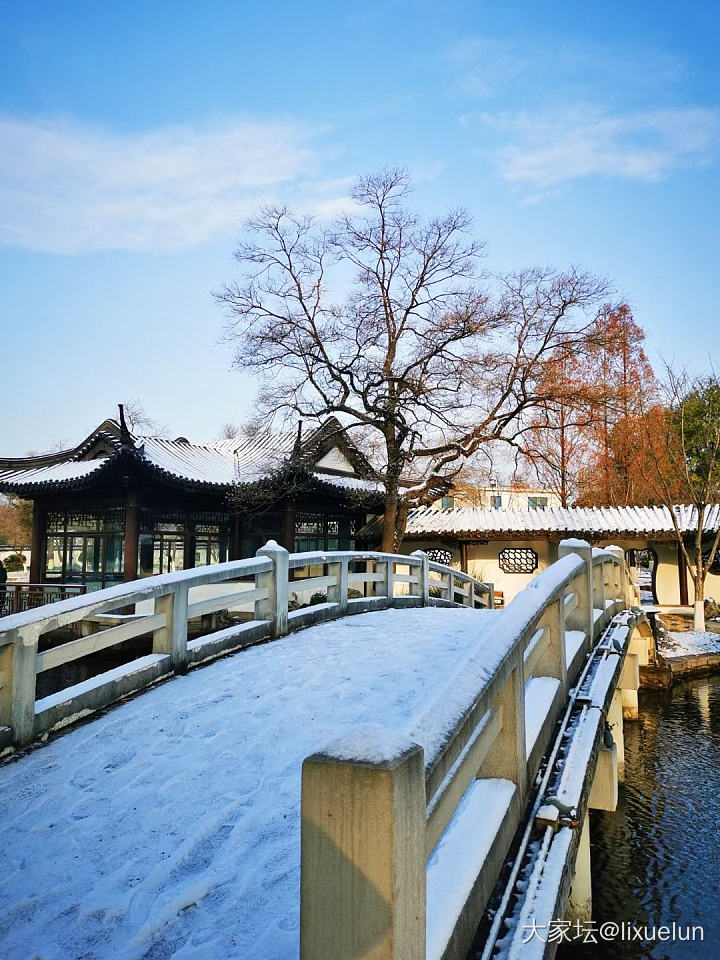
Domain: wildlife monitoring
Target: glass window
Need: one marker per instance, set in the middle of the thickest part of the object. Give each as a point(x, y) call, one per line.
point(75, 555)
point(448, 503)
point(537, 503)
point(114, 559)
point(315, 532)
point(496, 501)
point(168, 554)
point(54, 555)
point(78, 543)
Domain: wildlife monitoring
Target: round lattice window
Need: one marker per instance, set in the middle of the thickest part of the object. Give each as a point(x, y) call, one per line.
point(518, 560)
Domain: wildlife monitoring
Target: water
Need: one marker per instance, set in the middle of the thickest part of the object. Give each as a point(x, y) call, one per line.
point(657, 858)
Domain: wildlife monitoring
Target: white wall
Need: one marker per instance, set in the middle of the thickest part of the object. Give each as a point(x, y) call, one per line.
point(483, 564)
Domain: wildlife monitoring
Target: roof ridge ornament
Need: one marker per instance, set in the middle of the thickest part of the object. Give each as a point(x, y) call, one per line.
point(126, 439)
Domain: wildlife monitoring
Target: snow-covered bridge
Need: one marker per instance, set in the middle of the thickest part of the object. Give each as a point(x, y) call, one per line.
point(170, 826)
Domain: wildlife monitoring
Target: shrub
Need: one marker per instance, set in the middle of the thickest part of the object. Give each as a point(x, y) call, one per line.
point(15, 563)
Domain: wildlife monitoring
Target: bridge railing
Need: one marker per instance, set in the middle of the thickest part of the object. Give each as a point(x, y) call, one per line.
point(228, 605)
point(389, 827)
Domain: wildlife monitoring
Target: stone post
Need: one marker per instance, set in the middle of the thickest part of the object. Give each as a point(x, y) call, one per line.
point(388, 583)
point(339, 593)
point(621, 577)
point(582, 617)
point(507, 758)
point(598, 575)
point(422, 587)
point(362, 886)
point(553, 660)
point(17, 684)
point(172, 638)
point(275, 608)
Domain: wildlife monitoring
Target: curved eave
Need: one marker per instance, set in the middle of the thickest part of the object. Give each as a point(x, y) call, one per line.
point(32, 488)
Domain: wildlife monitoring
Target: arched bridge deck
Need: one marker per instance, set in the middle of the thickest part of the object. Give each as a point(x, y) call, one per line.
point(170, 826)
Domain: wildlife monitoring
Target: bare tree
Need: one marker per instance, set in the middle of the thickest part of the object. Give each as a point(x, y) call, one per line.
point(423, 352)
point(682, 439)
point(139, 420)
point(230, 431)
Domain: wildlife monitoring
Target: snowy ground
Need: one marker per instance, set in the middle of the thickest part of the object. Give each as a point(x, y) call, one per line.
point(689, 643)
point(170, 826)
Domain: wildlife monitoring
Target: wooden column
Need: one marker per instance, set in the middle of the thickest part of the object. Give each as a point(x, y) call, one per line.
point(288, 526)
point(464, 556)
point(37, 541)
point(682, 577)
point(236, 530)
point(132, 537)
point(189, 546)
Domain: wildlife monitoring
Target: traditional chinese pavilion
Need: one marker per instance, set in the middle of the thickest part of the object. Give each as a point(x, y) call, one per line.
point(121, 506)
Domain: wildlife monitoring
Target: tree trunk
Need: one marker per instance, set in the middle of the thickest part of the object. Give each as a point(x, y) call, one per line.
point(699, 579)
point(389, 520)
point(699, 605)
point(400, 525)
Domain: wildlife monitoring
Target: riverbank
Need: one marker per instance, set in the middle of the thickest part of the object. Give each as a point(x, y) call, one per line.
point(683, 655)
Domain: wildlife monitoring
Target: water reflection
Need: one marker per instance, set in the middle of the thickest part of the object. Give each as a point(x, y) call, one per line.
point(656, 859)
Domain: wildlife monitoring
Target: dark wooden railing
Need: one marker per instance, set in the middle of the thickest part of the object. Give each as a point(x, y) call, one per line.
point(17, 597)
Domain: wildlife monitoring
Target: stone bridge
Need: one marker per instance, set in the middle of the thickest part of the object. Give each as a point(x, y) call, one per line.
point(351, 789)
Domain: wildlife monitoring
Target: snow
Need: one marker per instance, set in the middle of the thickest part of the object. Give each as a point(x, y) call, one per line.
point(543, 883)
point(539, 694)
point(369, 744)
point(348, 483)
point(425, 521)
point(52, 473)
point(169, 826)
point(574, 639)
point(573, 542)
point(459, 854)
point(690, 643)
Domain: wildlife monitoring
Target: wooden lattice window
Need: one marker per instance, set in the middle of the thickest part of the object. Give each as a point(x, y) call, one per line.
point(438, 555)
point(518, 560)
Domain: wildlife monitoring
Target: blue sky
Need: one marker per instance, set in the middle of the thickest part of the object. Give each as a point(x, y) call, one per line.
point(136, 136)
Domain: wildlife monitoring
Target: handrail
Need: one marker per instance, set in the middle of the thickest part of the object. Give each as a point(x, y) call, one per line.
point(478, 727)
point(255, 590)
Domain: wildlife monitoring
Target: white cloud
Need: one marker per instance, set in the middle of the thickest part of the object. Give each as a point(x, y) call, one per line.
point(69, 188)
point(544, 150)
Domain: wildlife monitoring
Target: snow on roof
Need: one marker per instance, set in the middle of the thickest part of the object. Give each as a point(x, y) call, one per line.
point(51, 473)
point(348, 483)
point(222, 463)
point(478, 521)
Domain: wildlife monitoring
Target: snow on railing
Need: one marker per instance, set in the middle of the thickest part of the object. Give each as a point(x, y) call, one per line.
point(195, 615)
point(403, 843)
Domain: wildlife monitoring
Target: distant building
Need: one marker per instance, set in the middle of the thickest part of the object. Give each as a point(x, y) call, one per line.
point(120, 506)
point(508, 547)
point(496, 497)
